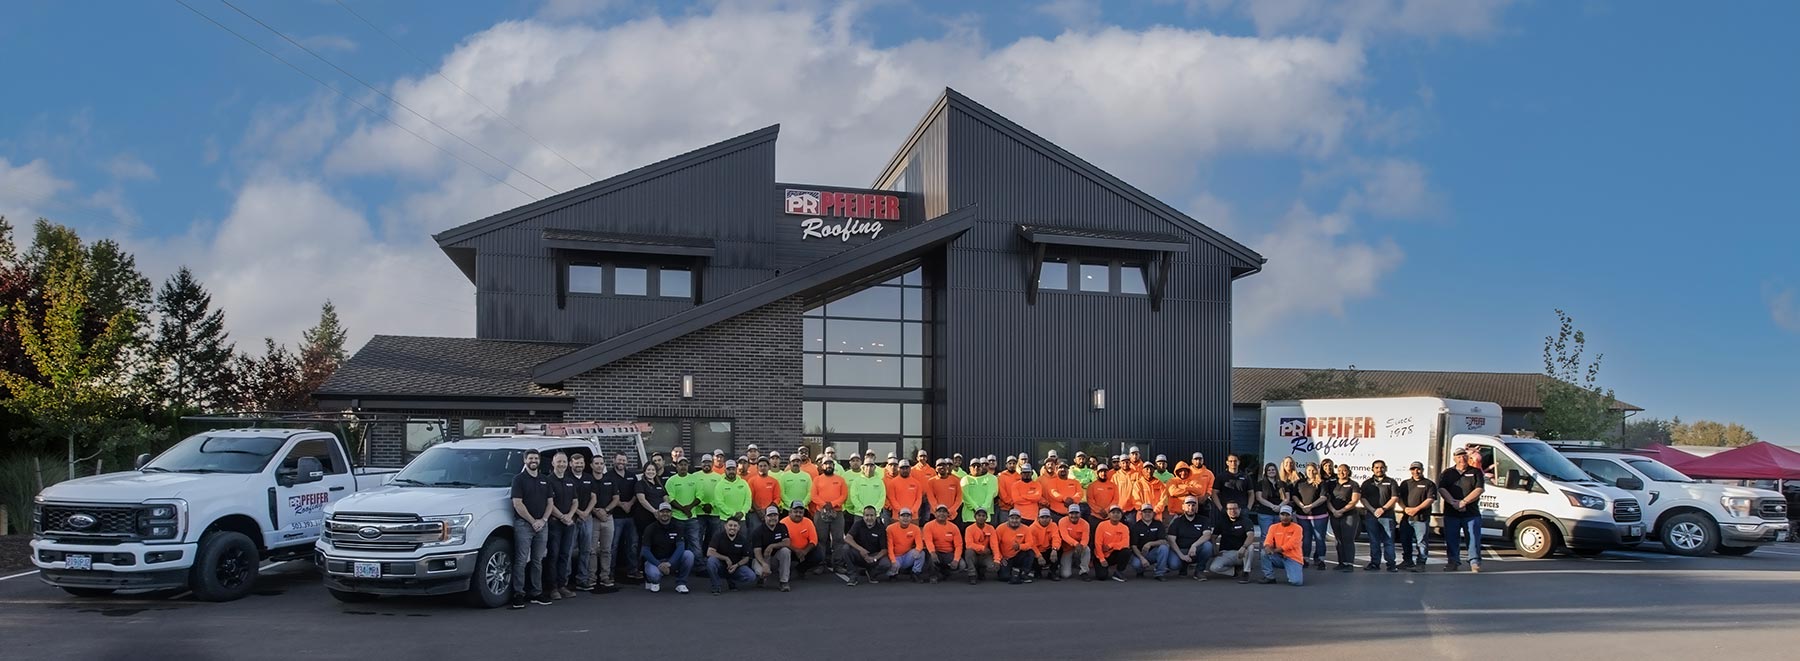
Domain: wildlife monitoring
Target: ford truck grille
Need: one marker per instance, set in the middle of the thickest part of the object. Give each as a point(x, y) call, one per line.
point(97, 523)
point(1626, 510)
point(380, 531)
point(1773, 509)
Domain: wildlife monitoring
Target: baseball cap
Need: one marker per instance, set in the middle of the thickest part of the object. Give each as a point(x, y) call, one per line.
point(1101, 467)
point(904, 511)
point(981, 510)
point(752, 447)
point(1287, 509)
point(1460, 451)
point(1115, 508)
point(1025, 468)
point(890, 455)
point(731, 463)
point(664, 508)
point(1074, 509)
point(1417, 465)
point(706, 457)
point(795, 456)
point(717, 452)
point(1052, 453)
point(772, 510)
point(796, 505)
point(1046, 512)
point(1147, 506)
point(1134, 450)
point(957, 455)
point(1192, 500)
point(905, 464)
point(1013, 512)
point(942, 506)
point(1162, 457)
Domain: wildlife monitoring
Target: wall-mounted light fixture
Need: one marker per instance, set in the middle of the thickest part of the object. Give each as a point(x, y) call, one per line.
point(1097, 399)
point(687, 386)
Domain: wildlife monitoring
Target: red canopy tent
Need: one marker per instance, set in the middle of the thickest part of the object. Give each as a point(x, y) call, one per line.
point(1668, 455)
point(1761, 460)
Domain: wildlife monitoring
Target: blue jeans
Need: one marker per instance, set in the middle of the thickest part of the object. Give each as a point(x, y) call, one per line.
point(1201, 558)
point(1412, 537)
point(912, 561)
point(528, 558)
point(715, 568)
point(1312, 540)
point(1263, 521)
point(560, 552)
point(1381, 538)
point(1456, 529)
point(681, 565)
point(692, 531)
point(1292, 566)
point(1159, 558)
point(624, 541)
point(584, 551)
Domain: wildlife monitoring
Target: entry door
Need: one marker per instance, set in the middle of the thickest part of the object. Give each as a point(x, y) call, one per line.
point(300, 509)
point(847, 446)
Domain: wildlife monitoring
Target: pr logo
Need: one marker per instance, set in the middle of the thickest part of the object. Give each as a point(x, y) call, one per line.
point(1293, 427)
point(803, 202)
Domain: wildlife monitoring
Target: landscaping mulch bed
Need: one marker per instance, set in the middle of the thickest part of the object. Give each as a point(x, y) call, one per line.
point(15, 553)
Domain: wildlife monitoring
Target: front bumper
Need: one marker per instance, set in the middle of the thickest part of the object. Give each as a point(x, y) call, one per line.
point(1752, 533)
point(437, 573)
point(124, 566)
point(1604, 535)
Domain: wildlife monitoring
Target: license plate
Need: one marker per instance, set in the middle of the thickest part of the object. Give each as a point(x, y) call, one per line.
point(1636, 531)
point(79, 561)
point(368, 570)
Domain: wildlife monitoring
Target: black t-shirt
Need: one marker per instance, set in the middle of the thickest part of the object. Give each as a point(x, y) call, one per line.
point(1377, 490)
point(733, 548)
point(1235, 488)
point(585, 487)
point(768, 536)
point(1307, 493)
point(1143, 532)
point(1231, 532)
point(562, 491)
point(1416, 492)
point(653, 492)
point(614, 484)
point(1187, 532)
point(662, 538)
point(1270, 489)
point(1460, 483)
point(1338, 494)
point(872, 538)
point(534, 490)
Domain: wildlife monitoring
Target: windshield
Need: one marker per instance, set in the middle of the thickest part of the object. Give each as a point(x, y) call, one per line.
point(1658, 471)
point(450, 466)
point(203, 453)
point(1547, 461)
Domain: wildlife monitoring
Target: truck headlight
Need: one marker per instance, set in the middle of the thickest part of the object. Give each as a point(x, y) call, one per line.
point(1738, 506)
point(1584, 500)
point(455, 529)
point(162, 520)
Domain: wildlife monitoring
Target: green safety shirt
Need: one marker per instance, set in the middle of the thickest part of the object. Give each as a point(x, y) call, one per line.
point(979, 491)
point(730, 498)
point(706, 483)
point(1083, 475)
point(870, 490)
point(795, 485)
point(684, 490)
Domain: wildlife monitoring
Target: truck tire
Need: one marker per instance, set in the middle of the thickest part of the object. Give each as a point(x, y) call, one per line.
point(89, 592)
point(1690, 534)
point(1534, 539)
point(1737, 550)
point(352, 597)
point(225, 568)
point(491, 585)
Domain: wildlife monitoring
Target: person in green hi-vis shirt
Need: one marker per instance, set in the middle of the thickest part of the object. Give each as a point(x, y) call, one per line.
point(795, 484)
point(684, 503)
point(1082, 471)
point(707, 480)
point(866, 490)
point(731, 496)
point(1162, 473)
point(979, 489)
point(956, 466)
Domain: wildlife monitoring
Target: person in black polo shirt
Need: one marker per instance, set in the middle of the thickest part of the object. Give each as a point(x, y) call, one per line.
point(1190, 538)
point(1234, 485)
point(770, 539)
point(1416, 494)
point(563, 488)
point(1341, 498)
point(531, 520)
point(624, 542)
point(865, 548)
point(1380, 494)
point(603, 561)
point(728, 558)
point(665, 552)
point(1151, 544)
point(1235, 535)
point(584, 522)
point(1460, 486)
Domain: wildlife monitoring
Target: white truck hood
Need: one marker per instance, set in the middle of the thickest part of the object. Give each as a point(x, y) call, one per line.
point(1712, 492)
point(423, 501)
point(137, 486)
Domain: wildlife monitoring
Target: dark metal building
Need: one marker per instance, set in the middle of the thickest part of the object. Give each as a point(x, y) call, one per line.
point(989, 293)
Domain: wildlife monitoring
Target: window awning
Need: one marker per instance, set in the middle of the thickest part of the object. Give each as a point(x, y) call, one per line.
point(1065, 236)
point(587, 241)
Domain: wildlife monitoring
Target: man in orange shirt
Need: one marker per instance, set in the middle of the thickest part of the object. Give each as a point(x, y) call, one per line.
point(1005, 480)
point(1076, 553)
point(829, 493)
point(806, 462)
point(903, 492)
point(1103, 494)
point(1130, 477)
point(906, 547)
point(1177, 491)
point(1112, 544)
point(1202, 479)
point(944, 490)
point(943, 544)
point(1283, 545)
point(1061, 491)
point(978, 547)
point(764, 492)
point(1155, 493)
point(1028, 493)
point(1046, 542)
point(1013, 550)
point(803, 552)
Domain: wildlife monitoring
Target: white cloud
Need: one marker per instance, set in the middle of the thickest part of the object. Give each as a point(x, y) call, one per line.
point(128, 167)
point(1072, 13)
point(1315, 266)
point(1393, 188)
point(1782, 307)
point(1362, 18)
point(26, 190)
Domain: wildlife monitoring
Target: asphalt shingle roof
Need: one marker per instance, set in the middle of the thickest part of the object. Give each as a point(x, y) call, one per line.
point(405, 365)
point(1511, 390)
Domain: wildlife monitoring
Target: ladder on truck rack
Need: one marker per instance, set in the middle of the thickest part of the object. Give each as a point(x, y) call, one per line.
point(636, 432)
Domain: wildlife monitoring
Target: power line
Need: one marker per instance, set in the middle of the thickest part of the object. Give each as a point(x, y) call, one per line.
point(352, 99)
point(384, 95)
point(438, 72)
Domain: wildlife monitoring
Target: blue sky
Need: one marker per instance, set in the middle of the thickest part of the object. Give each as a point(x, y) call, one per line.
point(1429, 180)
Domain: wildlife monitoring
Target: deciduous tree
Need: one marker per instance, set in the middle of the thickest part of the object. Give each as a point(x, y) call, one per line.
point(1575, 405)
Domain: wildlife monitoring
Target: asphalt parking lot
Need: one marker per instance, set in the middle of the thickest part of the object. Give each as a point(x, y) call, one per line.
point(1637, 604)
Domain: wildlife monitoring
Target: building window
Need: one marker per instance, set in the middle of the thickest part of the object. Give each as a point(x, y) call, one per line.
point(713, 434)
point(1054, 275)
point(1131, 278)
point(1096, 277)
point(877, 339)
point(675, 283)
point(631, 281)
point(424, 434)
point(587, 279)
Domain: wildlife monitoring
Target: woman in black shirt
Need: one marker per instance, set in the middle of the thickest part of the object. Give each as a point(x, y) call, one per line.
point(650, 493)
point(1309, 509)
point(1271, 494)
point(1342, 497)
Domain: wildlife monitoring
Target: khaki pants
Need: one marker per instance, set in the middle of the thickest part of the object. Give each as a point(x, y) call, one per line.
point(1078, 560)
point(979, 563)
point(1226, 561)
point(600, 558)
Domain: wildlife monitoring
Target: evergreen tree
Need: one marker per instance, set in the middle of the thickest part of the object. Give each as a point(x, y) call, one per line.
point(190, 359)
point(322, 350)
point(270, 382)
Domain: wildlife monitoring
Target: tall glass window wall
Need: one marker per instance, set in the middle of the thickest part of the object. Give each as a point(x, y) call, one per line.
point(868, 349)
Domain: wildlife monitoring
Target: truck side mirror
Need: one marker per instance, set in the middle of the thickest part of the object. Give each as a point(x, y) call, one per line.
point(142, 459)
point(1629, 483)
point(1516, 479)
point(306, 470)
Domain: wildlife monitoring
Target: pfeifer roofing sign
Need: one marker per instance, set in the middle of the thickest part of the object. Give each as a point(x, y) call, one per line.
point(859, 213)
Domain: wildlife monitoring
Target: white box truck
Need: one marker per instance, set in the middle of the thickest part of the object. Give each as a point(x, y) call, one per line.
point(1535, 497)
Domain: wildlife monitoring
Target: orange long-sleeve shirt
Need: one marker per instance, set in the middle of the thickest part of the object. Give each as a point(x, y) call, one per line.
point(1101, 496)
point(924, 477)
point(1059, 492)
point(830, 489)
point(1004, 482)
point(1073, 533)
point(1027, 497)
point(902, 492)
point(1202, 479)
point(1285, 539)
point(1008, 541)
point(764, 491)
point(904, 538)
point(1155, 493)
point(1178, 491)
point(946, 491)
point(1045, 537)
point(810, 468)
point(802, 534)
point(943, 538)
point(1111, 536)
point(979, 538)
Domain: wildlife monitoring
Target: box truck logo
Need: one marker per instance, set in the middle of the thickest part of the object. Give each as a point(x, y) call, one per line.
point(1327, 434)
point(1474, 423)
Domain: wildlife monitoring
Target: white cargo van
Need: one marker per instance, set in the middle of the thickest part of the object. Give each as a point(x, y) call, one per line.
point(1535, 497)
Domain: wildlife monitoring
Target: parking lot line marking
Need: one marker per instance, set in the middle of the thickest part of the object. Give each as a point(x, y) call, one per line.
point(18, 575)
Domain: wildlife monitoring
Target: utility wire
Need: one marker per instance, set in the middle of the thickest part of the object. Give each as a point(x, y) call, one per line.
point(352, 99)
point(438, 72)
point(384, 95)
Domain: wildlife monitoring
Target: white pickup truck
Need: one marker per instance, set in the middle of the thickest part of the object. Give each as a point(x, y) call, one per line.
point(202, 515)
point(1690, 517)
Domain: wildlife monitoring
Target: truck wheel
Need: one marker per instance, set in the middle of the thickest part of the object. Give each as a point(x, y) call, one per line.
point(89, 592)
point(491, 586)
point(1736, 550)
point(352, 597)
point(225, 568)
point(1690, 534)
point(1534, 539)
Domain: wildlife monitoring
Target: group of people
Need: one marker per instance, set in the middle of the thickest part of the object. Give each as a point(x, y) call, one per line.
point(767, 519)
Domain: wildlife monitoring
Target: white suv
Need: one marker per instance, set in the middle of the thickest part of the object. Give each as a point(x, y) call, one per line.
point(1690, 517)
